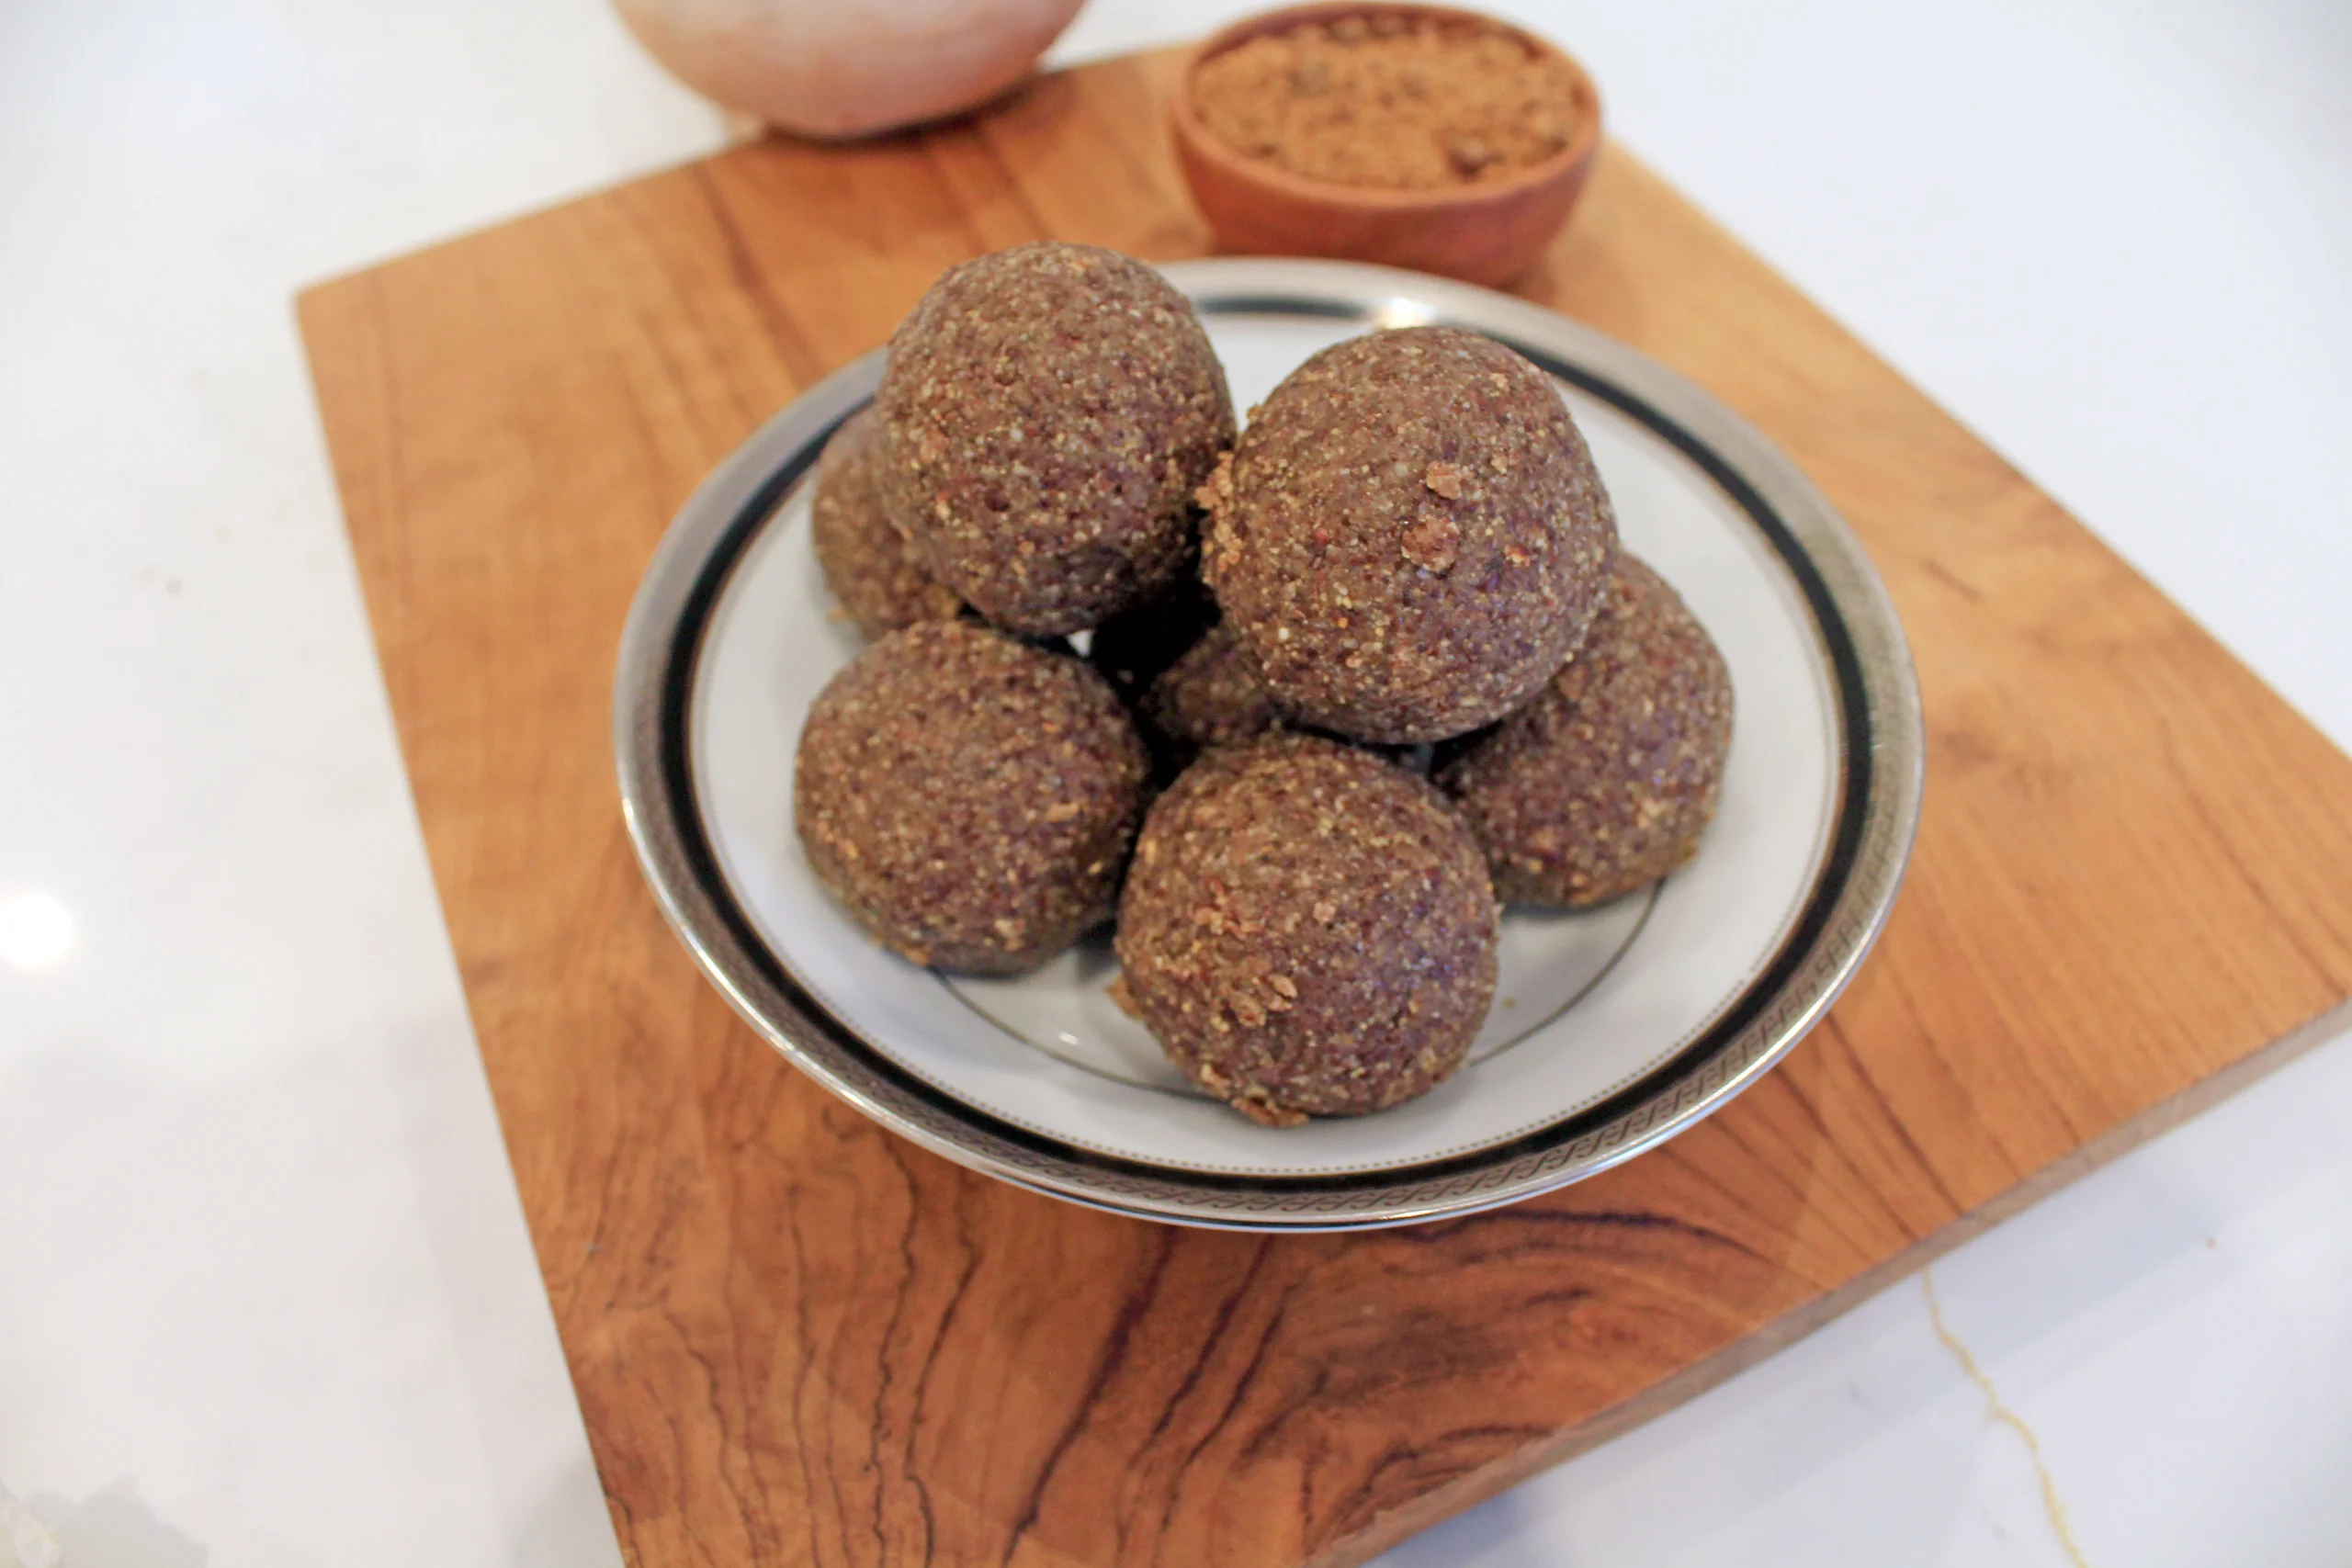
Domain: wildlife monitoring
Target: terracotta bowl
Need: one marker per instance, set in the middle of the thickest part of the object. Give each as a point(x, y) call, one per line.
point(1489, 232)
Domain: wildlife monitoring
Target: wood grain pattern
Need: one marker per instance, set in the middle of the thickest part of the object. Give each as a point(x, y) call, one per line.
point(798, 1339)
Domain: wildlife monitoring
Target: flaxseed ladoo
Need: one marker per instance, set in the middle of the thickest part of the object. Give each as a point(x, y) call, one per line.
point(1410, 537)
point(1187, 677)
point(1308, 930)
point(879, 577)
point(1607, 780)
point(970, 798)
point(1049, 412)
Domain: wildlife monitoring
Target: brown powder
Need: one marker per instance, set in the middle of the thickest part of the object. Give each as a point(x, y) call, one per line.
point(1390, 101)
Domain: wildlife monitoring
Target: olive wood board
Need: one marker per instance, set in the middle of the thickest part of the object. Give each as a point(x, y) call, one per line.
point(797, 1338)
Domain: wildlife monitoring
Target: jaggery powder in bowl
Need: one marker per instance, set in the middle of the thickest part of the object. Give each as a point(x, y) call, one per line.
point(1416, 136)
point(1392, 100)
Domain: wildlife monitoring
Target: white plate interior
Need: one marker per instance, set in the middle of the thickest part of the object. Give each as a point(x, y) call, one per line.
point(1589, 1003)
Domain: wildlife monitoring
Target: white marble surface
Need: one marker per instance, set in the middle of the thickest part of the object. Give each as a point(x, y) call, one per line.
point(265, 1295)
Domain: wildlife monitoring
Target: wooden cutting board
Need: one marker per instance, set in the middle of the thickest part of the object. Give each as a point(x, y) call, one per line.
point(798, 1339)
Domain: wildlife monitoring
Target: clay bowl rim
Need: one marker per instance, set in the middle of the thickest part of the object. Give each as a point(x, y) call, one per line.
point(1204, 143)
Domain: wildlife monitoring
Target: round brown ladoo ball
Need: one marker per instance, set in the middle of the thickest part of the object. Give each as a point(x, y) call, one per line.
point(1410, 537)
point(1190, 682)
point(1050, 410)
point(880, 579)
point(1308, 930)
point(970, 798)
point(1607, 780)
point(1211, 695)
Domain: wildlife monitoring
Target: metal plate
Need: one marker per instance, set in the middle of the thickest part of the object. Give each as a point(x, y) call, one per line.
point(1874, 755)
